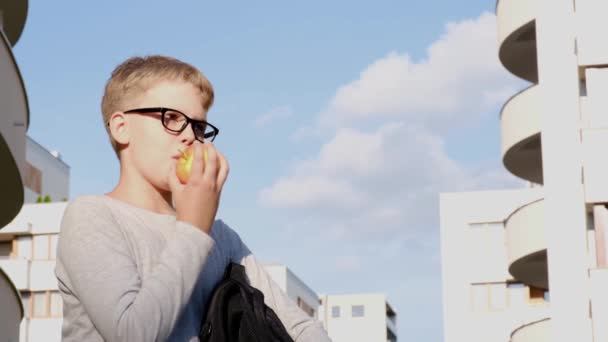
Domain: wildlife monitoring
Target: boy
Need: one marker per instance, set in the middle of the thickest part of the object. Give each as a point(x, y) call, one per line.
point(140, 262)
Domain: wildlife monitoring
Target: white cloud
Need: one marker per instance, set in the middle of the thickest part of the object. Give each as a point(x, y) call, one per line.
point(278, 113)
point(460, 78)
point(377, 182)
point(384, 179)
point(310, 191)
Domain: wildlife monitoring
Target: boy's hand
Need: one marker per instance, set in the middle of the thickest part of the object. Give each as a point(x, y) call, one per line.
point(196, 202)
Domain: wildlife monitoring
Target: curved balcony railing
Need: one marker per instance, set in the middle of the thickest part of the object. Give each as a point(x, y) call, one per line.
point(521, 135)
point(526, 245)
point(536, 331)
point(517, 37)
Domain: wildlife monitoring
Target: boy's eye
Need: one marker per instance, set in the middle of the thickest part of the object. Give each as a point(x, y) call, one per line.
point(173, 116)
point(174, 121)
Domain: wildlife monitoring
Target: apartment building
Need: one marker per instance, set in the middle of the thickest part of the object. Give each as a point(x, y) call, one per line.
point(295, 288)
point(482, 300)
point(358, 318)
point(554, 134)
point(14, 121)
point(28, 249)
point(47, 176)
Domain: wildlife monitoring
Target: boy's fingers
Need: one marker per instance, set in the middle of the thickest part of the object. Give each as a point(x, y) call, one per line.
point(211, 165)
point(197, 162)
point(223, 170)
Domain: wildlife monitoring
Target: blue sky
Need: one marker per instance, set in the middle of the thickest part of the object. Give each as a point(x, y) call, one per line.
point(342, 122)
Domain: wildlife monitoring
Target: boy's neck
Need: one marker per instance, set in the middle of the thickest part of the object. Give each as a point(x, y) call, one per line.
point(137, 192)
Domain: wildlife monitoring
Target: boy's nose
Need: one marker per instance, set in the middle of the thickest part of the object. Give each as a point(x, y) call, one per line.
point(187, 135)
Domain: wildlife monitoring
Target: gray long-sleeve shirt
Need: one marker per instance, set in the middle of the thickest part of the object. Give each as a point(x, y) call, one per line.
point(129, 274)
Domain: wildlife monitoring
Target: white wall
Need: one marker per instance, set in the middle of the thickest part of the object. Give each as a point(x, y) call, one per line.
point(43, 330)
point(42, 275)
point(297, 288)
point(599, 303)
point(18, 271)
point(467, 258)
point(37, 219)
point(293, 286)
point(345, 328)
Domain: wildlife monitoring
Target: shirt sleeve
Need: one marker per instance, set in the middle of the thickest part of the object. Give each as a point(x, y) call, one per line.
point(300, 326)
point(96, 258)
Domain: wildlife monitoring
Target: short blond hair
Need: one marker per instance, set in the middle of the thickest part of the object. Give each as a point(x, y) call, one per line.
point(136, 75)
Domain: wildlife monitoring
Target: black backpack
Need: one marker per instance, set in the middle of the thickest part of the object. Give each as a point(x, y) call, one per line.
point(237, 313)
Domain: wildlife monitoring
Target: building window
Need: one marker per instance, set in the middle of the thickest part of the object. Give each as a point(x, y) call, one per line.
point(24, 247)
point(486, 248)
point(498, 296)
point(53, 252)
point(305, 307)
point(479, 297)
point(518, 294)
point(537, 295)
point(33, 178)
point(39, 305)
point(41, 247)
point(45, 247)
point(358, 311)
point(43, 304)
point(335, 311)
point(56, 304)
point(6, 249)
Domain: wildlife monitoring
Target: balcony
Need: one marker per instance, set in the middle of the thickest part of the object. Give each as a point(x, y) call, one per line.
point(14, 118)
point(521, 137)
point(13, 20)
point(536, 331)
point(18, 271)
point(526, 245)
point(34, 218)
point(517, 37)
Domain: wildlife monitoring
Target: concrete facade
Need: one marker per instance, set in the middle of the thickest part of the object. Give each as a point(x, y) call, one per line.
point(554, 134)
point(304, 297)
point(358, 318)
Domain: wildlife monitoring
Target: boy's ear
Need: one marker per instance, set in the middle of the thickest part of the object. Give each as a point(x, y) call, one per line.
point(119, 128)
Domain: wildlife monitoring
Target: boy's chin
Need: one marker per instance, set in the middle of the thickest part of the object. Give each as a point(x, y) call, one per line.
point(162, 185)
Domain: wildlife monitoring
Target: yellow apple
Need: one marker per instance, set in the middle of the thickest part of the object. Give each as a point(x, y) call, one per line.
point(184, 163)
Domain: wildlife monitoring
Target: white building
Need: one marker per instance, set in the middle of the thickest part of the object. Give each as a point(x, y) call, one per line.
point(46, 174)
point(14, 121)
point(482, 301)
point(554, 133)
point(295, 288)
point(28, 247)
point(358, 318)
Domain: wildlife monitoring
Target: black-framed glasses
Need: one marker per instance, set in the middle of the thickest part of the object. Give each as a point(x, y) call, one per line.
point(176, 121)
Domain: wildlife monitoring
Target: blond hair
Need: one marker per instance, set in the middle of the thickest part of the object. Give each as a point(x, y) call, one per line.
point(136, 75)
